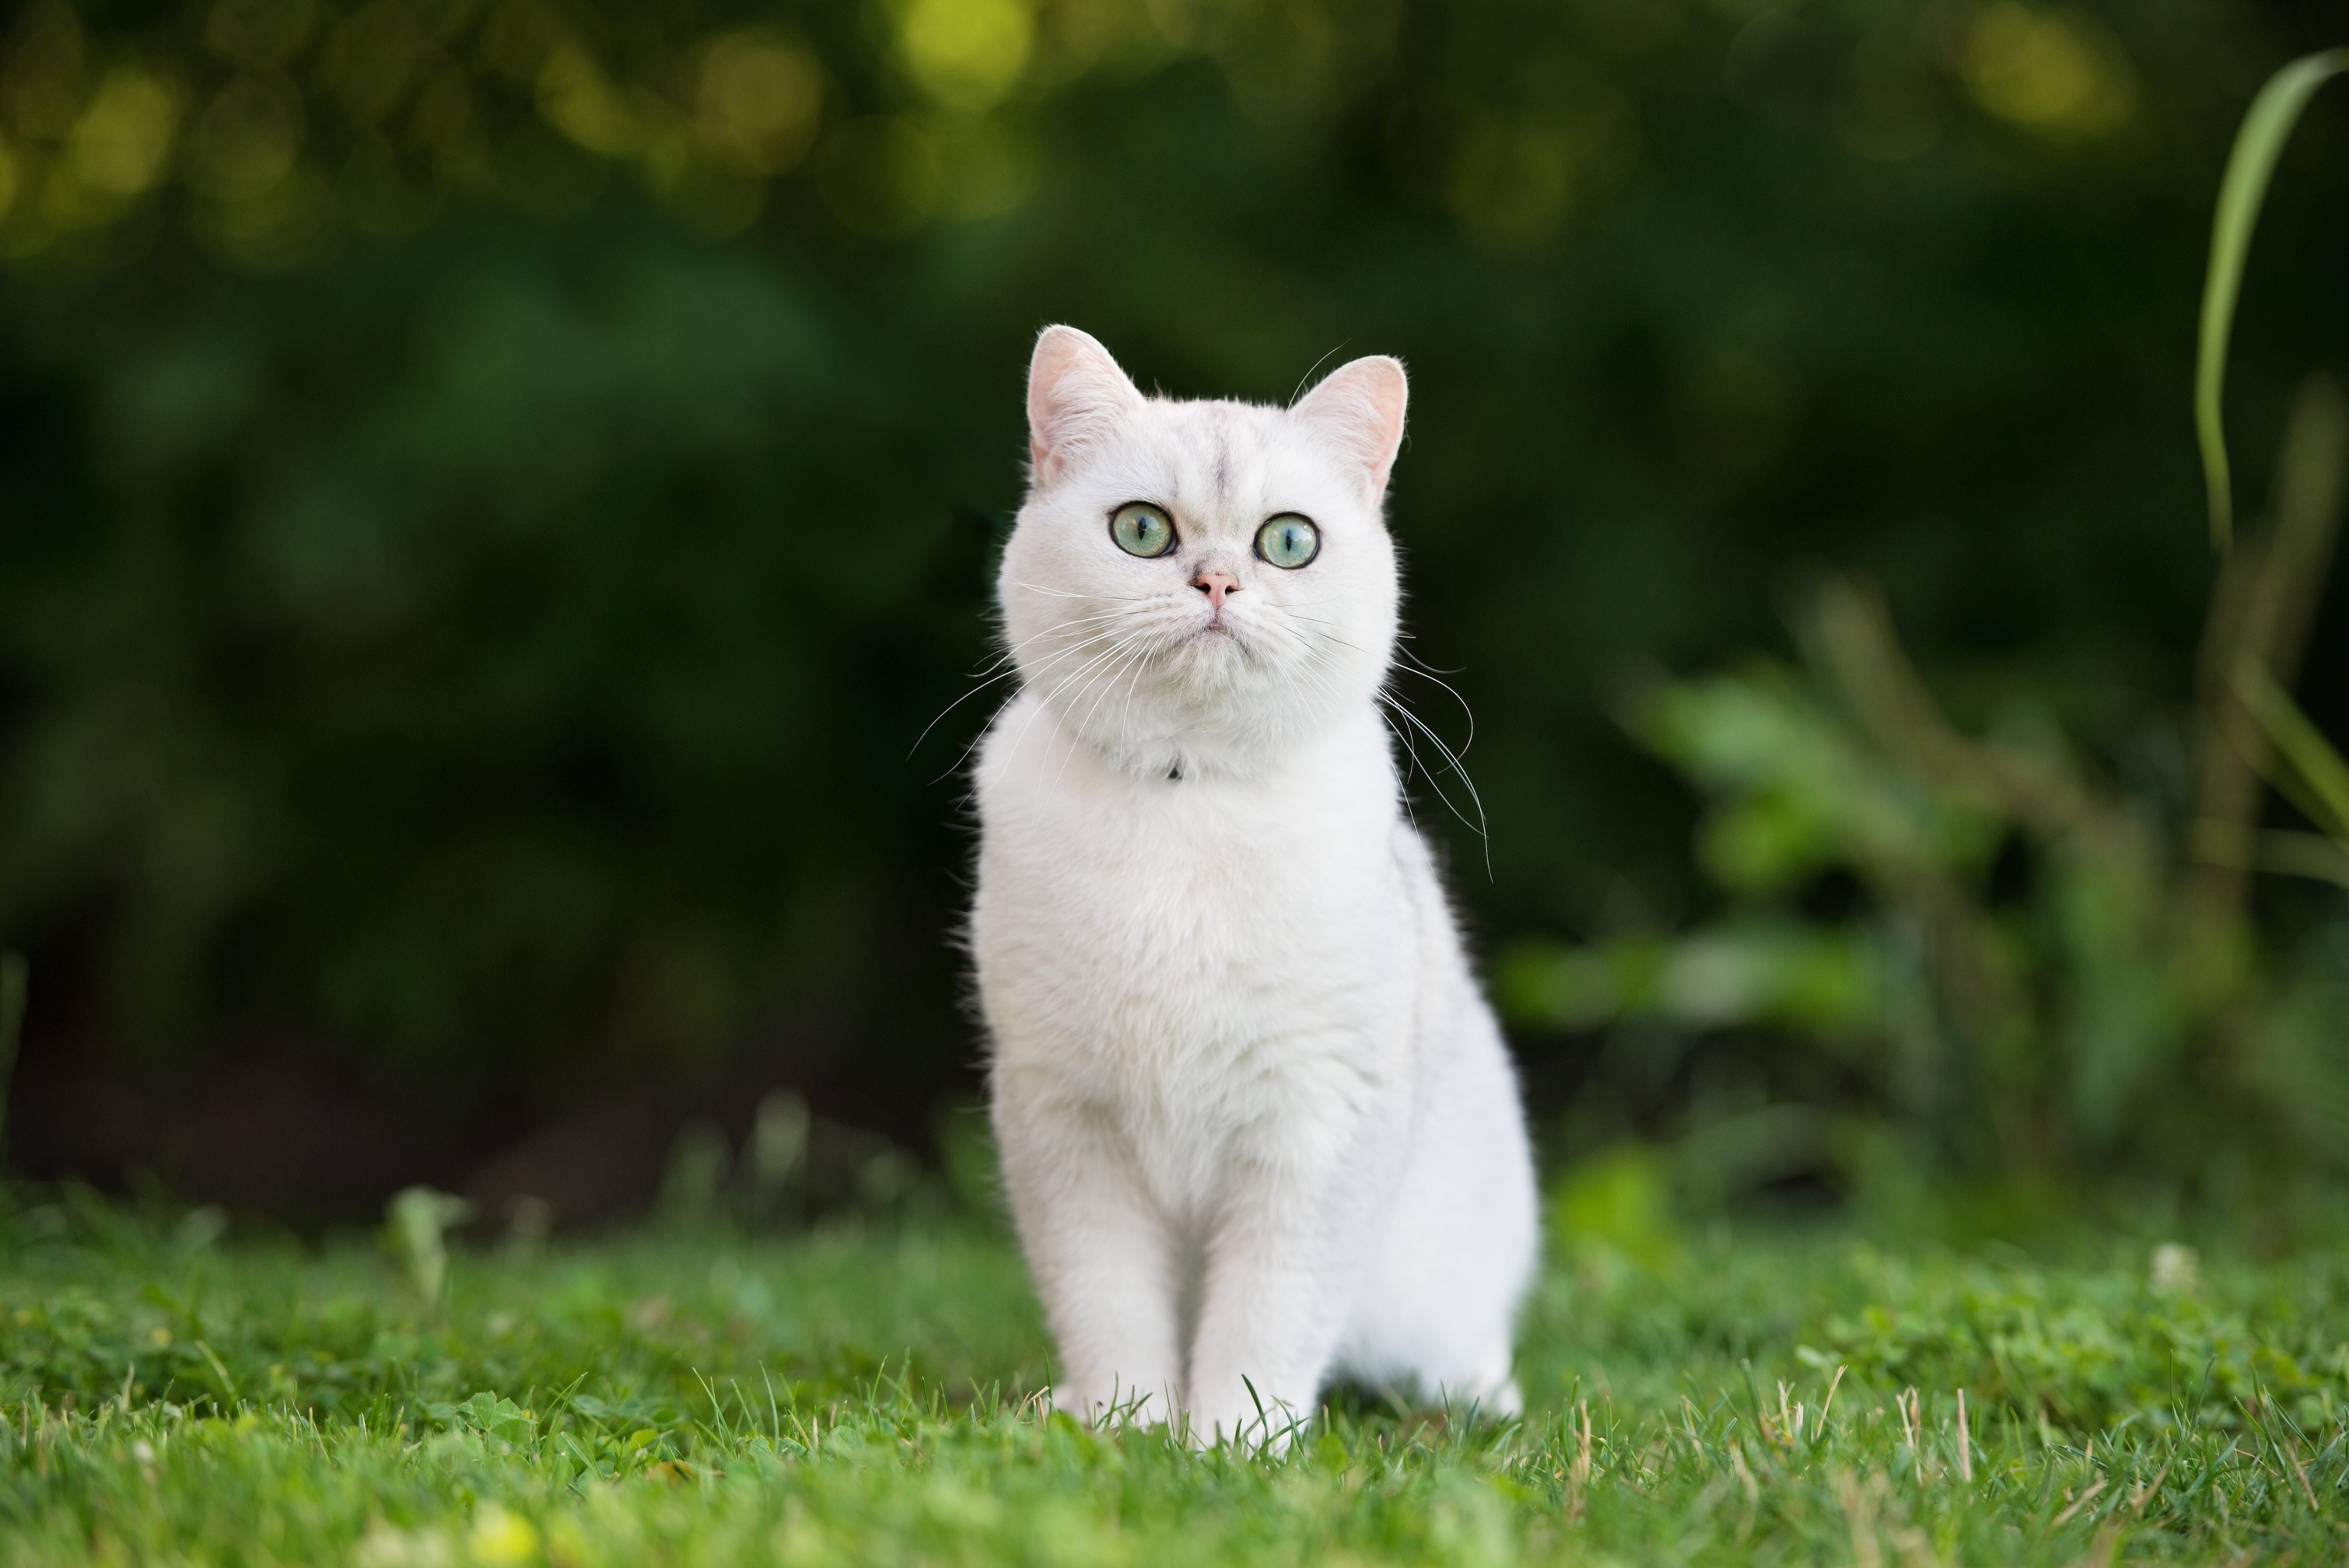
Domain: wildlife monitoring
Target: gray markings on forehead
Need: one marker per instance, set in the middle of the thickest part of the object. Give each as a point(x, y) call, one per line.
point(1232, 430)
point(1220, 446)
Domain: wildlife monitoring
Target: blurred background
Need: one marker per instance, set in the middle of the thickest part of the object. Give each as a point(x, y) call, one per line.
point(495, 489)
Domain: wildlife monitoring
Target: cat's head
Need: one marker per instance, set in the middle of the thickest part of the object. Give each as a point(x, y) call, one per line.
point(1201, 583)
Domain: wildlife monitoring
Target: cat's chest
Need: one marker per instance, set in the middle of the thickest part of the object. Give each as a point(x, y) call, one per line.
point(1179, 921)
point(1188, 877)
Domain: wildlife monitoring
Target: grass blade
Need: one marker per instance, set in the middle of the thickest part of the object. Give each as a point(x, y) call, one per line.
point(2318, 776)
point(2258, 144)
point(2310, 855)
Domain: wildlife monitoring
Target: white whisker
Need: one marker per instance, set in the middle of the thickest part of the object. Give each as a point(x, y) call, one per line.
point(1047, 699)
point(1110, 683)
point(993, 672)
point(1033, 674)
point(1095, 598)
point(1453, 758)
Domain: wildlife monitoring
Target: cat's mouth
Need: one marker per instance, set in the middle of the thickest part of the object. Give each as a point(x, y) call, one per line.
point(1220, 623)
point(1216, 634)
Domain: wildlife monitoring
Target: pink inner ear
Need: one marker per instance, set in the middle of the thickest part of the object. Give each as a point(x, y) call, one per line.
point(1075, 393)
point(1360, 405)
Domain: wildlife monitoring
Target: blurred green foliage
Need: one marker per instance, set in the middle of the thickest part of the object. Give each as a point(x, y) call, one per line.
point(496, 489)
point(2100, 1008)
point(2031, 979)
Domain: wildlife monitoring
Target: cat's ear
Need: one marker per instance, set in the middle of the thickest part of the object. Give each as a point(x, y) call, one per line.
point(1358, 409)
point(1075, 393)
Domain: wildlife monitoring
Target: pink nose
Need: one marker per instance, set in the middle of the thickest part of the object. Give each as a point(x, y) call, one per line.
point(1214, 586)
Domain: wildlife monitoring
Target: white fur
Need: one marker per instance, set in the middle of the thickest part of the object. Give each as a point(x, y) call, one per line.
point(1257, 1125)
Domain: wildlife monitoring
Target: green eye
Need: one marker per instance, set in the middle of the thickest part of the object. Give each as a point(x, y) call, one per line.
point(1288, 541)
point(1140, 528)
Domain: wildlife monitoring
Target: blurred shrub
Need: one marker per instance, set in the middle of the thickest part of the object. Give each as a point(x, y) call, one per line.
point(497, 488)
point(2041, 984)
point(2033, 983)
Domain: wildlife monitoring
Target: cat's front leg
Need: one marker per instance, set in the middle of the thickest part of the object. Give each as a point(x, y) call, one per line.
point(1104, 1261)
point(1283, 1265)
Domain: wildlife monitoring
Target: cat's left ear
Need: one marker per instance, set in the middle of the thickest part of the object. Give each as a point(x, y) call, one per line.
point(1359, 407)
point(1076, 393)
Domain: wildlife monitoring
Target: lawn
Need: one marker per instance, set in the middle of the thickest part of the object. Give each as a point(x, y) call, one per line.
point(864, 1395)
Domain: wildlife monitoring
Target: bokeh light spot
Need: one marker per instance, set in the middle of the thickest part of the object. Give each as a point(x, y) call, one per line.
point(578, 99)
point(123, 140)
point(759, 96)
point(966, 54)
point(2051, 72)
point(246, 141)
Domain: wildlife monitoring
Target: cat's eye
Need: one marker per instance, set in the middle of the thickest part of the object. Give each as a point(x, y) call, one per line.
point(1288, 541)
point(1142, 529)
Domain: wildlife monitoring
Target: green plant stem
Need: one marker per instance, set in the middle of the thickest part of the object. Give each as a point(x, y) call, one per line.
point(2258, 144)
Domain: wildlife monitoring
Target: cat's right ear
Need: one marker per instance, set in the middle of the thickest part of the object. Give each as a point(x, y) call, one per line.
point(1358, 405)
point(1076, 393)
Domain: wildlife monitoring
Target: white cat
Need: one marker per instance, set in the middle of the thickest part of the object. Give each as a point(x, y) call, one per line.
point(1258, 1126)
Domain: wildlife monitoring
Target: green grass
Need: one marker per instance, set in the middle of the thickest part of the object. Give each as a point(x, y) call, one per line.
point(861, 1396)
